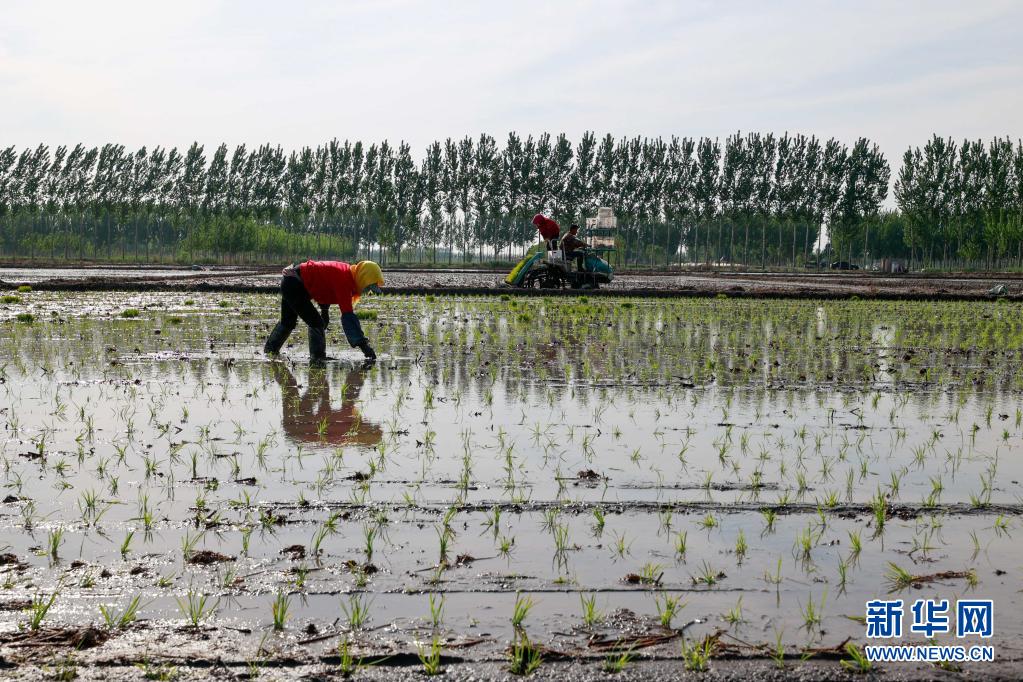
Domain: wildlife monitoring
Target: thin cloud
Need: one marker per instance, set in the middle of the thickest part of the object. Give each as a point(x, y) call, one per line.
point(297, 74)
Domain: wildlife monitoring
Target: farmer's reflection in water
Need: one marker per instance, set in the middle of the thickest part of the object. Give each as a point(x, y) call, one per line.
point(308, 415)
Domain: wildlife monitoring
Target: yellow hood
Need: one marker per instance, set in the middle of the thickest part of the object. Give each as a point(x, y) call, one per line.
point(366, 273)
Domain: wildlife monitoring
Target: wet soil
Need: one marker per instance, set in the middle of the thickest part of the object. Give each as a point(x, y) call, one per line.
point(810, 285)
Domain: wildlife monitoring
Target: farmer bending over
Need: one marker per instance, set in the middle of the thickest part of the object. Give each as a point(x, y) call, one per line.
point(572, 244)
point(549, 230)
point(328, 283)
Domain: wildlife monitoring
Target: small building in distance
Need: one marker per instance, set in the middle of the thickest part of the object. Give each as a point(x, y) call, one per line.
point(602, 230)
point(892, 265)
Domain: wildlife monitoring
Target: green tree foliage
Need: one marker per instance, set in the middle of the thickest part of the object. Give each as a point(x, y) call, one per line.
point(749, 199)
point(961, 203)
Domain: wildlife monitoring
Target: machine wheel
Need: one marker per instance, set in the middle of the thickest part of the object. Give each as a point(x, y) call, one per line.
point(531, 280)
point(542, 278)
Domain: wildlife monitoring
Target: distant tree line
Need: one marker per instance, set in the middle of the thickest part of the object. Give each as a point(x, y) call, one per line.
point(752, 199)
point(963, 204)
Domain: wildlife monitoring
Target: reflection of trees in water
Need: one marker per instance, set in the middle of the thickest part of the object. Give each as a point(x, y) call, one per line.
point(309, 416)
point(749, 354)
point(573, 351)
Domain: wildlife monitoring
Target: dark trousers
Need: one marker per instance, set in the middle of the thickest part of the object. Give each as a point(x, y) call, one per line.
point(296, 303)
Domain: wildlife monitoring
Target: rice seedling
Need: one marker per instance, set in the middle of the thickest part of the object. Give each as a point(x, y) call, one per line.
point(443, 539)
point(621, 545)
point(843, 577)
point(369, 535)
point(667, 608)
point(188, 543)
point(522, 607)
point(54, 539)
point(356, 612)
point(493, 521)
point(436, 611)
point(38, 609)
point(431, 657)
point(1001, 526)
point(616, 661)
point(526, 657)
point(561, 542)
point(734, 616)
point(348, 664)
point(65, 669)
point(897, 577)
point(855, 544)
point(857, 661)
point(774, 578)
point(806, 540)
point(813, 612)
point(879, 509)
point(196, 607)
point(505, 546)
point(708, 576)
point(126, 544)
point(649, 574)
point(696, 656)
point(279, 608)
point(778, 651)
point(246, 537)
point(740, 546)
point(591, 616)
point(680, 545)
point(121, 619)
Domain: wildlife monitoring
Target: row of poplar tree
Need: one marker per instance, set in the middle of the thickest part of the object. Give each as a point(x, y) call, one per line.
point(751, 199)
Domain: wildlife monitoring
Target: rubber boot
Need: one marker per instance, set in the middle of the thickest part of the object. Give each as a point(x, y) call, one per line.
point(317, 344)
point(276, 340)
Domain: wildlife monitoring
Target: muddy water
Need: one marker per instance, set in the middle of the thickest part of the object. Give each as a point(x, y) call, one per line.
point(731, 453)
point(33, 275)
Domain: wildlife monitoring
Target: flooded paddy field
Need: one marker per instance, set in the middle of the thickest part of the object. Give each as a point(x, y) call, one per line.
point(677, 483)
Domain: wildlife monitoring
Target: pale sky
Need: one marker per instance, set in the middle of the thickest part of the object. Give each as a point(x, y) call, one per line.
point(298, 73)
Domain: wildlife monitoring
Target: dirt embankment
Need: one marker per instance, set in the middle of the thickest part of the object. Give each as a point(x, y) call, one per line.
point(826, 285)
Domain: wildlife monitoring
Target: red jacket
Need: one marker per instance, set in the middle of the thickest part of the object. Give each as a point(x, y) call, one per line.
point(548, 228)
point(329, 283)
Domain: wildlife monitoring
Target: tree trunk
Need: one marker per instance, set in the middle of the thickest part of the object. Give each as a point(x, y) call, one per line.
point(731, 242)
point(806, 242)
point(763, 247)
point(793, 245)
point(746, 245)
